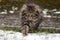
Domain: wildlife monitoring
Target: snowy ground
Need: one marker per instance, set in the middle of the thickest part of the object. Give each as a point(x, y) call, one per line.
point(10, 35)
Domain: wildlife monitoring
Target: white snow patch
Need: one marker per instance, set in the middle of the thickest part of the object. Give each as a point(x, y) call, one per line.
point(3, 12)
point(11, 35)
point(11, 11)
point(49, 16)
point(54, 10)
point(58, 12)
point(45, 11)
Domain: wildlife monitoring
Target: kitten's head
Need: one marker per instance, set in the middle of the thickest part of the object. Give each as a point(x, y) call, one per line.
point(30, 7)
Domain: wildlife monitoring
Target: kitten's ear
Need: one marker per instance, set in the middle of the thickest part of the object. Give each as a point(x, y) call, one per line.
point(39, 10)
point(24, 7)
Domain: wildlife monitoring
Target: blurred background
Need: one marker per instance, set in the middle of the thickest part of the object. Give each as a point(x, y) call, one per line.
point(9, 13)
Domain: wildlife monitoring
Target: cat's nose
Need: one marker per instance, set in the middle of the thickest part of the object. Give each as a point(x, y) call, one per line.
point(30, 17)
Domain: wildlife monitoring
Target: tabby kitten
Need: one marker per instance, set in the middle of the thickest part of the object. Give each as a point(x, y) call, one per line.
point(31, 17)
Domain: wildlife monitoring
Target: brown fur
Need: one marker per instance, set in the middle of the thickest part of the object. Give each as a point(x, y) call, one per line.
point(31, 17)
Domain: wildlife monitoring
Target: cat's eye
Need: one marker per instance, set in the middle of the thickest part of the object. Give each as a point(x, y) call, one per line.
point(35, 15)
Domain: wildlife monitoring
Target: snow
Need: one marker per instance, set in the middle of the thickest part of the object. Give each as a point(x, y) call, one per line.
point(54, 10)
point(14, 8)
point(58, 12)
point(11, 35)
point(45, 11)
point(49, 16)
point(3, 12)
point(11, 12)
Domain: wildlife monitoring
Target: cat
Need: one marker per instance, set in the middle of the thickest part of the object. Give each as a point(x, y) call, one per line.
point(31, 16)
